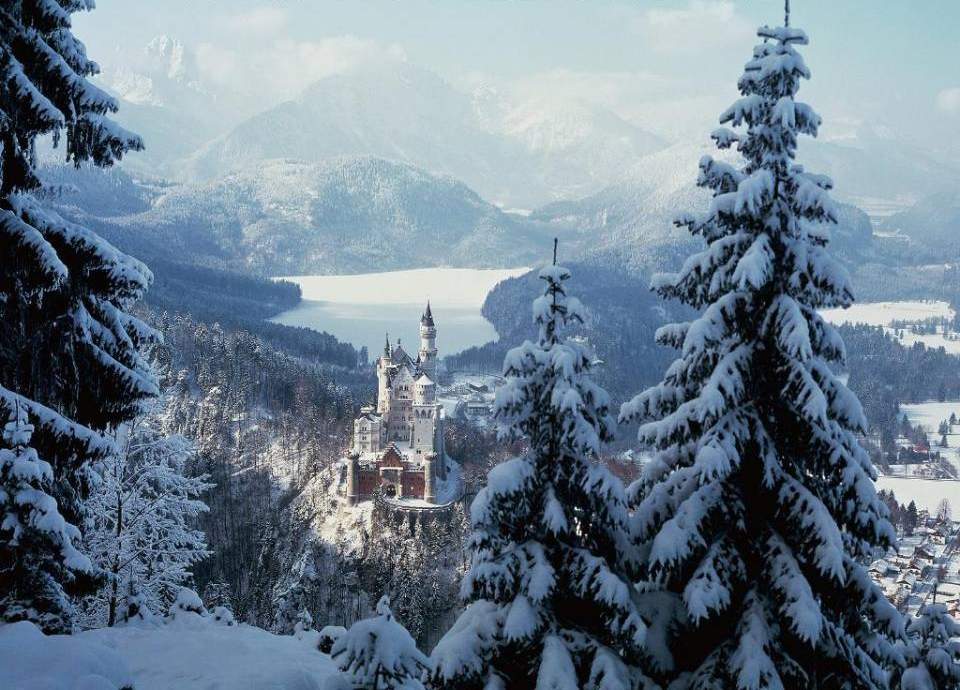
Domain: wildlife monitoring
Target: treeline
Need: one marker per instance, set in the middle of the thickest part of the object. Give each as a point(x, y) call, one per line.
point(243, 302)
point(884, 374)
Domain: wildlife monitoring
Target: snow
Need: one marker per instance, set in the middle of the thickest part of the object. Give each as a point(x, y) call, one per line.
point(200, 655)
point(927, 493)
point(378, 652)
point(30, 660)
point(883, 313)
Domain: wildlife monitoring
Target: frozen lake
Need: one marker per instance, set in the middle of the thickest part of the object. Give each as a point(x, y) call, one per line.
point(360, 309)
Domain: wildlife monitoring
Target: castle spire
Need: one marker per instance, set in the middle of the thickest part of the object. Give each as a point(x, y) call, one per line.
point(386, 347)
point(427, 318)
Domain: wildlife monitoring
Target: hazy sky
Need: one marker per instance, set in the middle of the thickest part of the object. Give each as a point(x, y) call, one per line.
point(664, 64)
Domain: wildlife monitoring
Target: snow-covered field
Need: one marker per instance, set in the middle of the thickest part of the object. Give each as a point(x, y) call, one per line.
point(885, 313)
point(360, 309)
point(929, 492)
point(179, 655)
point(926, 492)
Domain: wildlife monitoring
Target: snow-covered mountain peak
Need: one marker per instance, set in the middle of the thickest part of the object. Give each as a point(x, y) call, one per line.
point(168, 51)
point(158, 76)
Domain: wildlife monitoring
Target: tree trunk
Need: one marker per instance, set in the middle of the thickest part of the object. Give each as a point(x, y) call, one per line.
point(115, 570)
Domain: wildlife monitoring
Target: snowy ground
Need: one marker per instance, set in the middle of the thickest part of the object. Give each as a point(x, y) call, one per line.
point(180, 655)
point(926, 492)
point(929, 492)
point(359, 309)
point(884, 313)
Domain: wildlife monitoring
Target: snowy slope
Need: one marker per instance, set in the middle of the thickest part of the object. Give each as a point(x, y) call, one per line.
point(344, 215)
point(633, 219)
point(933, 221)
point(163, 99)
point(515, 154)
point(181, 655)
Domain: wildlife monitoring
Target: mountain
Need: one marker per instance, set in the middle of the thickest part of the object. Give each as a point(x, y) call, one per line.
point(572, 148)
point(343, 215)
point(163, 99)
point(513, 155)
point(933, 222)
point(875, 169)
point(632, 221)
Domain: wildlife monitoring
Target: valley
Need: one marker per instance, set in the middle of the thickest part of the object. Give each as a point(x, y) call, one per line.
point(498, 346)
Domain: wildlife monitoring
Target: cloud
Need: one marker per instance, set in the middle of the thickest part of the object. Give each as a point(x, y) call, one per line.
point(268, 20)
point(948, 100)
point(655, 102)
point(698, 28)
point(279, 69)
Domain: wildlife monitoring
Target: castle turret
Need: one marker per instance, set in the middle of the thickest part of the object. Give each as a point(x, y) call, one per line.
point(428, 343)
point(353, 479)
point(383, 377)
point(429, 485)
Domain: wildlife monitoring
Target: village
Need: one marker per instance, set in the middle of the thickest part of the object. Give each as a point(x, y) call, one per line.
point(926, 566)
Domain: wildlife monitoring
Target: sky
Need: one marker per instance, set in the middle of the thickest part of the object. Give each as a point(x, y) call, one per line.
point(666, 65)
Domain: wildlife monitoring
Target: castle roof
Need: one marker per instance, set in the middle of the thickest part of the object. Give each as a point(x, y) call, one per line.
point(427, 318)
point(424, 380)
point(400, 356)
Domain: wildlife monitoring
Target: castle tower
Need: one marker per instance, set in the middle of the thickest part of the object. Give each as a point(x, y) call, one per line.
point(428, 344)
point(429, 485)
point(383, 377)
point(353, 479)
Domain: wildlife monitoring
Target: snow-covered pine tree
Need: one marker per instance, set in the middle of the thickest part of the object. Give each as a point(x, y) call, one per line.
point(304, 623)
point(933, 657)
point(379, 654)
point(760, 505)
point(70, 348)
point(552, 604)
point(142, 516)
point(38, 548)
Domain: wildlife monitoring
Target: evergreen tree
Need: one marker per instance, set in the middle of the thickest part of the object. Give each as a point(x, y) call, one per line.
point(142, 513)
point(69, 353)
point(379, 654)
point(760, 507)
point(304, 623)
point(911, 518)
point(552, 605)
point(933, 657)
point(38, 548)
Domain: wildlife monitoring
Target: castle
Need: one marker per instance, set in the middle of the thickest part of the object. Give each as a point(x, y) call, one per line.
point(398, 444)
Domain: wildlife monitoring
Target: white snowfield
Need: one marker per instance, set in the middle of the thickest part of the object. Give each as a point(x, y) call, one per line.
point(883, 313)
point(927, 493)
point(196, 654)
